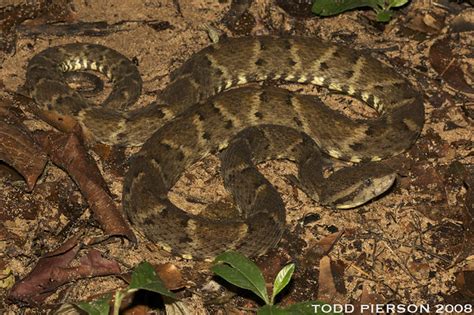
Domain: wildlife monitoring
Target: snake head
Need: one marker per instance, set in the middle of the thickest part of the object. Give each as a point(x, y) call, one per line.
point(365, 190)
point(352, 187)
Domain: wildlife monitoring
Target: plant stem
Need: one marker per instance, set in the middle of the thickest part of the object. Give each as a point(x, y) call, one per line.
point(117, 301)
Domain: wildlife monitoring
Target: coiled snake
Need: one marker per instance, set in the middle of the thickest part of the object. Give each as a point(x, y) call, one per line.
point(196, 115)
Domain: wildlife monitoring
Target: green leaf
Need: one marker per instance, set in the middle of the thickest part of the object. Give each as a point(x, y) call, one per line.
point(242, 272)
point(282, 279)
point(271, 310)
point(381, 7)
point(384, 16)
point(98, 307)
point(332, 7)
point(144, 277)
point(397, 3)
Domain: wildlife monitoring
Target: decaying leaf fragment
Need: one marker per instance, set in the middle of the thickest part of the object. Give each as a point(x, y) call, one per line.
point(449, 65)
point(54, 270)
point(18, 148)
point(67, 152)
point(327, 288)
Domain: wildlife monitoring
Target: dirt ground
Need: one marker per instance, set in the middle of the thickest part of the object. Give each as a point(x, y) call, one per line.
point(413, 245)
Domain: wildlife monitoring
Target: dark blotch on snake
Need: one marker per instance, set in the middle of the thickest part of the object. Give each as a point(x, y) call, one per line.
point(229, 124)
point(298, 122)
point(323, 66)
point(357, 146)
point(263, 97)
point(260, 62)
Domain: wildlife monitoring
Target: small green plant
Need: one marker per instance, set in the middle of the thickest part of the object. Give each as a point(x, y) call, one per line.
point(381, 7)
point(144, 277)
point(242, 272)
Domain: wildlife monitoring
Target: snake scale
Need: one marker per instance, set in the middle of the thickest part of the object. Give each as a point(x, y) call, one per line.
point(198, 114)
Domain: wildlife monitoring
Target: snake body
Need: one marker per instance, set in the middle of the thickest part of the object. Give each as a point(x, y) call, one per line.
point(197, 114)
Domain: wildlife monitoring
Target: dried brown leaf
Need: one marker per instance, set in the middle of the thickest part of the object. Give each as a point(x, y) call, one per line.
point(366, 299)
point(327, 287)
point(465, 283)
point(171, 276)
point(36, 286)
point(321, 248)
point(12, 16)
point(448, 65)
point(18, 148)
point(328, 242)
point(53, 270)
point(463, 22)
point(465, 280)
point(67, 151)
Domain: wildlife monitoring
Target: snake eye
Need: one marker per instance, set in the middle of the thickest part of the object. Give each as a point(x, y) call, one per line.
point(367, 182)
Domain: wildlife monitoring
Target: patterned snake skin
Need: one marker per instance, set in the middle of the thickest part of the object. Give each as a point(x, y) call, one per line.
point(197, 115)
